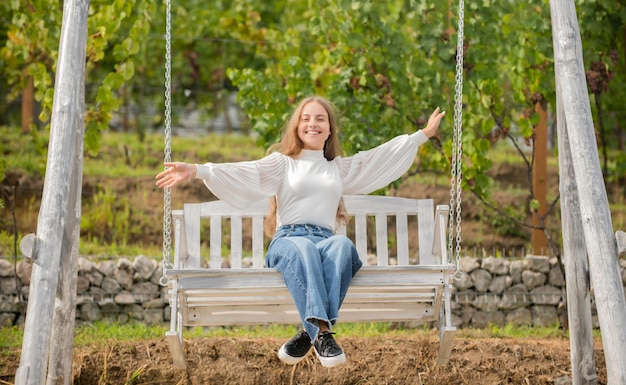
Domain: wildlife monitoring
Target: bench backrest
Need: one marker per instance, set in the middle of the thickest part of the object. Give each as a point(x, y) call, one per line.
point(371, 227)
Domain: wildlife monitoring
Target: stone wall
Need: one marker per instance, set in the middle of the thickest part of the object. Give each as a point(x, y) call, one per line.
point(498, 291)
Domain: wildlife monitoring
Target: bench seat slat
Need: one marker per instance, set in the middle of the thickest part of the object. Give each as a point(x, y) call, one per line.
point(279, 313)
point(188, 273)
point(197, 296)
point(208, 301)
point(374, 291)
point(275, 279)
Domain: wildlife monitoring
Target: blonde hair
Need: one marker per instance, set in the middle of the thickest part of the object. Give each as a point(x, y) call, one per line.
point(290, 144)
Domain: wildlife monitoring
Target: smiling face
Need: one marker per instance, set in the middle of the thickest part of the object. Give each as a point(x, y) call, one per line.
point(314, 126)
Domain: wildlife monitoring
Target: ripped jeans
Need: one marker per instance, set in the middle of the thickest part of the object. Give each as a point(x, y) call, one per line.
point(317, 267)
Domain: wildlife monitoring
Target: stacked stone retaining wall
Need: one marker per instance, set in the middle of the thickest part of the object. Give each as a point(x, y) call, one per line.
point(492, 291)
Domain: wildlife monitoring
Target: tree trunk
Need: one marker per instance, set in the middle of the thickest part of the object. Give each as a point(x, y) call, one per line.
point(28, 105)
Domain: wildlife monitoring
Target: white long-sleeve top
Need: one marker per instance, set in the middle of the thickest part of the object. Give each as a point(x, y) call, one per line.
point(308, 187)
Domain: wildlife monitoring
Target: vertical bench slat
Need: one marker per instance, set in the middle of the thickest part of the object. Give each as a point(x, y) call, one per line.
point(258, 254)
point(236, 254)
point(215, 249)
point(426, 230)
point(192, 235)
point(402, 231)
point(382, 245)
point(179, 250)
point(360, 235)
point(440, 251)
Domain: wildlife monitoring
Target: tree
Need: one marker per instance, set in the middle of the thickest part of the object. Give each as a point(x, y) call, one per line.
point(115, 30)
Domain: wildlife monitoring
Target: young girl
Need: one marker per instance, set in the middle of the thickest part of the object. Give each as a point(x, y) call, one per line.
point(304, 177)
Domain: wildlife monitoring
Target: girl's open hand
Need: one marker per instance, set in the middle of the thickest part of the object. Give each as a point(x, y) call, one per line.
point(432, 128)
point(175, 172)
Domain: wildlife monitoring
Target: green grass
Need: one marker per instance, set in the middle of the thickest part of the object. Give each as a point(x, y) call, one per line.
point(101, 333)
point(513, 331)
point(122, 155)
point(11, 337)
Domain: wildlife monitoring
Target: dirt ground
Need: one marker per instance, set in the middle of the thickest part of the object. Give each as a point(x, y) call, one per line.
point(394, 360)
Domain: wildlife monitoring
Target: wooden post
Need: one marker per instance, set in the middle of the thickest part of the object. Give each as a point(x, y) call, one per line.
point(575, 262)
point(540, 179)
point(594, 207)
point(62, 337)
point(59, 215)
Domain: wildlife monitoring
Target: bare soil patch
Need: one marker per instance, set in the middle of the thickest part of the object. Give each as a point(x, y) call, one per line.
point(376, 360)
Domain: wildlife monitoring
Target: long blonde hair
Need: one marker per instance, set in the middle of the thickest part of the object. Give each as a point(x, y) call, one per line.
point(290, 144)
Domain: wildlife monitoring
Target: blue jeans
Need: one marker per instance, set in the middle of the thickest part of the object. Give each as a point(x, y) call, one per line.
point(317, 267)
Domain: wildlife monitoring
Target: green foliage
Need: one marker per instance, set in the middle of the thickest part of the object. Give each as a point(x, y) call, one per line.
point(33, 151)
point(349, 64)
point(107, 214)
point(115, 32)
point(506, 222)
point(123, 25)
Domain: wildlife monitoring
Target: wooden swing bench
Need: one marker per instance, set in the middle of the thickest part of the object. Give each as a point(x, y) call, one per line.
point(236, 291)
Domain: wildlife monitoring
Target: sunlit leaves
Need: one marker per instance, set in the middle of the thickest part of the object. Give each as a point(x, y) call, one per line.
point(356, 54)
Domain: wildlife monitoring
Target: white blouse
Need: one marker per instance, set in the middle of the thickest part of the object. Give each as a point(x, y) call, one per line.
point(308, 187)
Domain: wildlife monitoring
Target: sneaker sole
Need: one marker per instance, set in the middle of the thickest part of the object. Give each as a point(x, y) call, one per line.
point(329, 362)
point(286, 358)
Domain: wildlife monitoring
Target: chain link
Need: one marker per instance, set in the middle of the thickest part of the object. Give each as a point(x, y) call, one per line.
point(167, 197)
point(454, 222)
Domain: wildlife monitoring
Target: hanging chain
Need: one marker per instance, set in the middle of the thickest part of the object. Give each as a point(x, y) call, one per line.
point(167, 197)
point(454, 233)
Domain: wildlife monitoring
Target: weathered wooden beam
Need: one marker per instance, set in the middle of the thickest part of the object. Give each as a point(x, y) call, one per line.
point(594, 206)
point(57, 215)
point(62, 334)
point(575, 262)
point(28, 246)
point(620, 237)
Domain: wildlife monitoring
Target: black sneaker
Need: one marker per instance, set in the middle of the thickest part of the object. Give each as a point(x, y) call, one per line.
point(327, 350)
point(294, 350)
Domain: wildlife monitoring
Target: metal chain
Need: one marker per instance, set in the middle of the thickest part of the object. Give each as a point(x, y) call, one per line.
point(454, 233)
point(167, 197)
